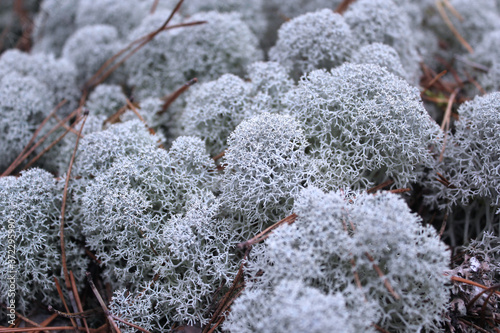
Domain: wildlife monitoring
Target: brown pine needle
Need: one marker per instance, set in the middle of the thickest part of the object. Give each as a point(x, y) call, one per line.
point(63, 208)
point(380, 186)
point(48, 321)
point(27, 320)
point(130, 50)
point(77, 298)
point(472, 283)
point(35, 329)
point(442, 12)
point(63, 300)
point(445, 125)
point(134, 110)
point(475, 83)
point(387, 284)
point(35, 135)
point(137, 327)
point(115, 117)
point(102, 304)
point(265, 234)
point(342, 7)
point(46, 149)
point(219, 156)
point(172, 97)
point(400, 190)
point(443, 225)
point(238, 282)
point(15, 164)
point(153, 7)
point(434, 80)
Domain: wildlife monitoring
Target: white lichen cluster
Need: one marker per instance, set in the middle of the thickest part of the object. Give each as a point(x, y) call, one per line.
point(234, 116)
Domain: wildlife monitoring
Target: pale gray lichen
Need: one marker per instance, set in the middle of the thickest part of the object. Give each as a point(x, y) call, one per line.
point(384, 21)
point(30, 215)
point(314, 40)
point(89, 48)
point(333, 245)
point(364, 125)
point(265, 168)
point(471, 160)
point(224, 44)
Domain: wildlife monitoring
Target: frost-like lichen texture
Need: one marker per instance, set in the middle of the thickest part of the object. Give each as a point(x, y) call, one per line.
point(89, 48)
point(29, 215)
point(58, 75)
point(293, 8)
point(136, 190)
point(379, 54)
point(194, 258)
point(314, 40)
point(383, 21)
point(472, 155)
point(269, 82)
point(293, 306)
point(334, 244)
point(265, 168)
point(214, 109)
point(224, 44)
point(124, 15)
point(363, 124)
point(98, 151)
point(106, 100)
point(23, 106)
point(487, 52)
point(252, 12)
point(53, 24)
point(472, 20)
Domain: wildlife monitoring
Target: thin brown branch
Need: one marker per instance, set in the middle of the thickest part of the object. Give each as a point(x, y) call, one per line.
point(472, 283)
point(264, 234)
point(81, 314)
point(447, 21)
point(445, 125)
point(153, 7)
point(63, 207)
point(400, 190)
point(15, 164)
point(443, 225)
point(102, 304)
point(35, 134)
point(77, 298)
point(47, 321)
point(219, 156)
point(137, 327)
point(172, 97)
point(387, 284)
point(46, 149)
point(63, 300)
point(434, 80)
point(342, 7)
point(381, 186)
